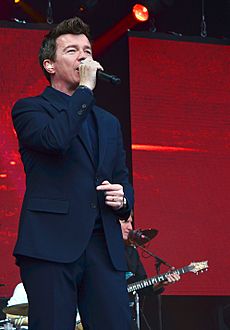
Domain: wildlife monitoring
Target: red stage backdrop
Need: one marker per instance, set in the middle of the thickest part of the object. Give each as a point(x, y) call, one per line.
point(180, 128)
point(20, 76)
point(180, 105)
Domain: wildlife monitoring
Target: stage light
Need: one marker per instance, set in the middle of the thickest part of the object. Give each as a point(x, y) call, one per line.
point(140, 12)
point(28, 9)
point(137, 14)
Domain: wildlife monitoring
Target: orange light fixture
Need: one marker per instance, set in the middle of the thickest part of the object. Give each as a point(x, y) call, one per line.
point(140, 12)
point(16, 1)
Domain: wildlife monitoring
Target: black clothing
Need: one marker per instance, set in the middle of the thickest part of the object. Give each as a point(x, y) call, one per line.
point(136, 272)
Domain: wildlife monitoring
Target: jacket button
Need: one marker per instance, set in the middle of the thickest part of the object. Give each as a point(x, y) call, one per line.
point(80, 112)
point(93, 205)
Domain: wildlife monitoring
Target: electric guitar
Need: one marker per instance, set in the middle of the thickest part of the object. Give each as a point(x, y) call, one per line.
point(194, 267)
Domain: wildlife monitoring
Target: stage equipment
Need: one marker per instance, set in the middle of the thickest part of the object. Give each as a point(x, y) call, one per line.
point(19, 309)
point(140, 12)
point(140, 237)
point(203, 26)
point(49, 15)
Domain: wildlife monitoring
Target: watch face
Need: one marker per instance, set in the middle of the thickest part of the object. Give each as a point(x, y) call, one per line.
point(124, 202)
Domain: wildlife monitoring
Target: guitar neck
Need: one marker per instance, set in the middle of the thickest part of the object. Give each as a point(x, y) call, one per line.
point(156, 279)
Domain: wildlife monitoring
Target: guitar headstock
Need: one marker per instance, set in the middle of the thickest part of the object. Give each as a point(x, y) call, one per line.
point(197, 267)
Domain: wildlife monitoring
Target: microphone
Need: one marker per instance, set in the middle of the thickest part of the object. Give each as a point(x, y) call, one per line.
point(135, 235)
point(108, 77)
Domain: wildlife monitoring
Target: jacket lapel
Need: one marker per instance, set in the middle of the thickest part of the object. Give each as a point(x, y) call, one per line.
point(58, 102)
point(85, 140)
point(56, 99)
point(101, 129)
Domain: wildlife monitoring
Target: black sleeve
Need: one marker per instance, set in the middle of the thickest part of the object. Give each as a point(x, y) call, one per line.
point(136, 267)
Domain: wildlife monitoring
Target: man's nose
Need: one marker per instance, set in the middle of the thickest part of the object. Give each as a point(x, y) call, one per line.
point(81, 56)
point(130, 227)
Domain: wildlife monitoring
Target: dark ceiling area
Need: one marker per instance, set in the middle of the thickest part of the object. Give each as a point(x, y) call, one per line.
point(167, 16)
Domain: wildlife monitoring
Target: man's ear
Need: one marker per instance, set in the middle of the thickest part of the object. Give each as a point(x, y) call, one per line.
point(49, 66)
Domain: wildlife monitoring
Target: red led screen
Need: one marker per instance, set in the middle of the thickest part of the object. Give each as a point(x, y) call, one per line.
point(20, 76)
point(180, 133)
point(180, 106)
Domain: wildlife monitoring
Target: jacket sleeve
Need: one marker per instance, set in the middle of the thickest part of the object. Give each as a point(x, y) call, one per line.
point(41, 129)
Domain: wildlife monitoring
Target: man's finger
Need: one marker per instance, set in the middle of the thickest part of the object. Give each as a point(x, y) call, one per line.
point(109, 187)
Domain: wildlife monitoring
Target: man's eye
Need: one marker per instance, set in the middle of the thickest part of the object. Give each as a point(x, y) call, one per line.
point(88, 52)
point(71, 50)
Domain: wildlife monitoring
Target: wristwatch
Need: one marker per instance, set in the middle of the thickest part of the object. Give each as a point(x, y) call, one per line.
point(125, 204)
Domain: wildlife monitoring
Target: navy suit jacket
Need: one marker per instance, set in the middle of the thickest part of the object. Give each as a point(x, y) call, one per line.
point(61, 202)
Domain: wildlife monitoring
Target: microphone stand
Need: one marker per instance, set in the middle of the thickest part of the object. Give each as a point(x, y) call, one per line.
point(158, 262)
point(137, 305)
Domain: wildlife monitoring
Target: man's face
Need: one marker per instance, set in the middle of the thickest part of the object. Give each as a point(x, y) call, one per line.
point(70, 51)
point(126, 227)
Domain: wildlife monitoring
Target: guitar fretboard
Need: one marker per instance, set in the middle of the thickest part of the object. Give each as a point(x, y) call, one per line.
point(156, 279)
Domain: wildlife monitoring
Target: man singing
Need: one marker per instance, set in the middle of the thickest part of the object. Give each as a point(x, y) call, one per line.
point(69, 248)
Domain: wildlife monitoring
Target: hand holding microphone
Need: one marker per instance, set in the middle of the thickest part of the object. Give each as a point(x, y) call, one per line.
point(91, 70)
point(88, 72)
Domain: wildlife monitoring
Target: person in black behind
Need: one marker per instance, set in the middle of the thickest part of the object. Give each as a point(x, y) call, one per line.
point(69, 248)
point(136, 272)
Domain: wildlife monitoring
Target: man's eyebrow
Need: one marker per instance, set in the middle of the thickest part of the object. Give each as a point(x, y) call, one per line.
point(69, 46)
point(76, 46)
point(88, 47)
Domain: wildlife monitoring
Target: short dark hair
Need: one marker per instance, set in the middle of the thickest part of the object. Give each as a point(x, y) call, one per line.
point(48, 47)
